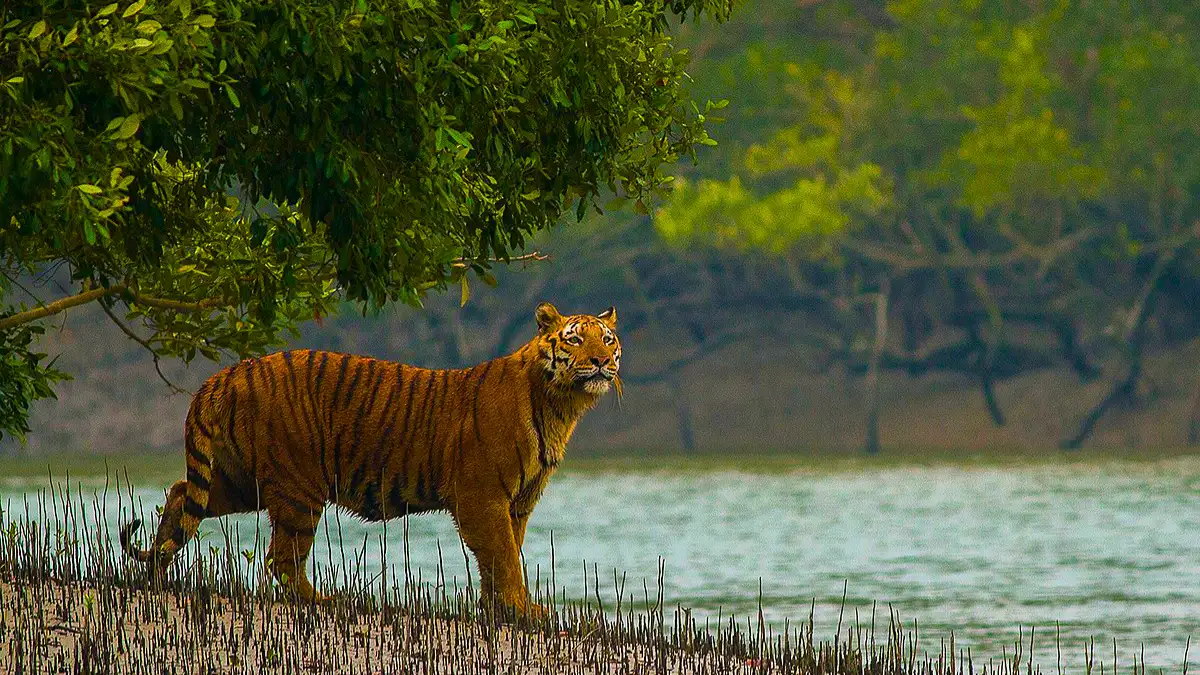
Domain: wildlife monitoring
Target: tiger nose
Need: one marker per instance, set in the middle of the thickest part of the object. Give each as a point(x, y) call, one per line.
point(598, 362)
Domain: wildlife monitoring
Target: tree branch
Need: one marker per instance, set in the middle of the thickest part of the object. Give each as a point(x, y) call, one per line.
point(93, 294)
point(134, 336)
point(962, 260)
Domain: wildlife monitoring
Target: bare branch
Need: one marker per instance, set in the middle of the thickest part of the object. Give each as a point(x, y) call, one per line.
point(904, 261)
point(133, 336)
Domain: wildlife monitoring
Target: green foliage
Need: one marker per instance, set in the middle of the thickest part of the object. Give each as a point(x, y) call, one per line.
point(228, 169)
point(1005, 118)
point(814, 190)
point(24, 377)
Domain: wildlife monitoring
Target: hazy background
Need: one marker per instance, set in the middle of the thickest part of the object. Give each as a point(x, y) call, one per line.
point(990, 205)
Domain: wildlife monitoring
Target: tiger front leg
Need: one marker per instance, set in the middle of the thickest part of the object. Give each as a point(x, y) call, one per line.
point(487, 529)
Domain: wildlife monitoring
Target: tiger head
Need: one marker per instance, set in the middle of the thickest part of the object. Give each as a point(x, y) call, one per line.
point(580, 353)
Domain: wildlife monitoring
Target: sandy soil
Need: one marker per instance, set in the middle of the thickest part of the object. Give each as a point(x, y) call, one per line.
point(50, 627)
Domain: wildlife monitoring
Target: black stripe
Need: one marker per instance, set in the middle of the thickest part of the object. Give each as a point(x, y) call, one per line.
point(249, 366)
point(193, 508)
point(521, 463)
point(337, 388)
point(291, 369)
point(421, 487)
point(198, 480)
point(537, 430)
point(194, 452)
point(426, 411)
point(320, 368)
point(458, 449)
point(365, 411)
point(270, 376)
point(370, 509)
point(387, 406)
point(232, 423)
point(503, 369)
point(318, 426)
point(198, 425)
point(338, 473)
point(359, 473)
point(479, 385)
point(405, 431)
point(212, 391)
point(503, 486)
point(358, 368)
point(232, 487)
point(435, 428)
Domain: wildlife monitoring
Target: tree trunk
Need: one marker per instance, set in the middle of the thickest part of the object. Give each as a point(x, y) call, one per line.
point(872, 384)
point(683, 415)
point(1193, 431)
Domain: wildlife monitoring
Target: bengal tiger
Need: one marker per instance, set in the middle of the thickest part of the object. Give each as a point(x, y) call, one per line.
point(294, 431)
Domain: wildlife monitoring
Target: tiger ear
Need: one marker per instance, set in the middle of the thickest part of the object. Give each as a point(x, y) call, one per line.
point(609, 317)
point(548, 318)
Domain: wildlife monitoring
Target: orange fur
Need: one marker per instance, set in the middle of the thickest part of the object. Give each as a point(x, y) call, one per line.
point(293, 431)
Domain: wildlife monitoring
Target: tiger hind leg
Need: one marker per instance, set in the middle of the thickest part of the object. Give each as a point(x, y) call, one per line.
point(293, 529)
point(155, 558)
point(187, 504)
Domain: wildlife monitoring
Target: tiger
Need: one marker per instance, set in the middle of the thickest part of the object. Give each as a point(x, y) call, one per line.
point(295, 431)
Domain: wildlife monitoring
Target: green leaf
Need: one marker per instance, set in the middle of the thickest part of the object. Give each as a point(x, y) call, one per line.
point(38, 29)
point(466, 291)
point(88, 233)
point(71, 36)
point(133, 9)
point(106, 10)
point(458, 137)
point(128, 127)
point(148, 26)
point(233, 97)
point(205, 21)
point(88, 188)
point(616, 204)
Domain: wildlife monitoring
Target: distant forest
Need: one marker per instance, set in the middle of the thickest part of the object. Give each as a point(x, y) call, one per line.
point(911, 202)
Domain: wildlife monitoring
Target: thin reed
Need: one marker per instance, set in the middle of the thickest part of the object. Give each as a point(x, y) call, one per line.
point(71, 603)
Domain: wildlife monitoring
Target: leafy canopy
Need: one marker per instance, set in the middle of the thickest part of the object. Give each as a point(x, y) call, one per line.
point(228, 168)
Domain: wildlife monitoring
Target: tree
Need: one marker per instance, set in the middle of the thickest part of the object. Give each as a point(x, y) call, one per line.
point(223, 170)
point(1014, 185)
